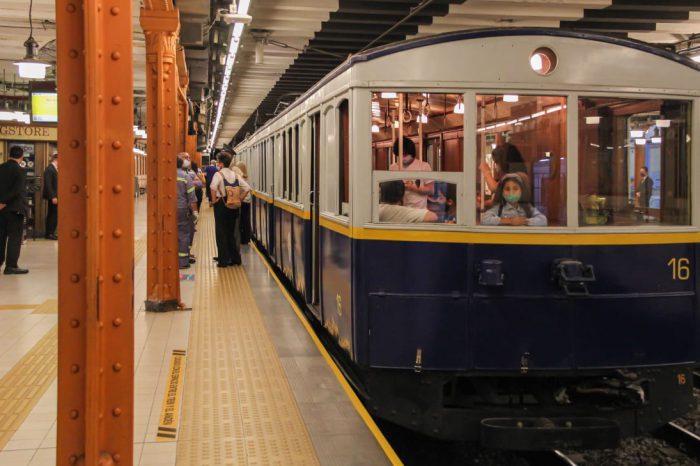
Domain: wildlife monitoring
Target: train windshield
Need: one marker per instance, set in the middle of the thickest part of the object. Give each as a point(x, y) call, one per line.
point(634, 162)
point(521, 160)
point(417, 132)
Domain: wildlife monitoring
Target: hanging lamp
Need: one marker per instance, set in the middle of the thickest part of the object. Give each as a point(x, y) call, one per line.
point(30, 67)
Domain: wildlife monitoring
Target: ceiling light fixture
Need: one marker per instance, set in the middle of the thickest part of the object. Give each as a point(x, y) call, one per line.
point(510, 98)
point(234, 43)
point(459, 107)
point(30, 67)
point(388, 95)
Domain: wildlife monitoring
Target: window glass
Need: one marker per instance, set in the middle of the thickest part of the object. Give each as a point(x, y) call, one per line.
point(284, 163)
point(344, 156)
point(290, 166)
point(297, 167)
point(432, 129)
point(521, 157)
point(634, 160)
point(441, 207)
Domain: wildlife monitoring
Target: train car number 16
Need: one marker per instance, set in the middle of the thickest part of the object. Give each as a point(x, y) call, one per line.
point(680, 268)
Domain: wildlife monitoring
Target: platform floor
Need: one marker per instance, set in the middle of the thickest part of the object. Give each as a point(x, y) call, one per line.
point(256, 389)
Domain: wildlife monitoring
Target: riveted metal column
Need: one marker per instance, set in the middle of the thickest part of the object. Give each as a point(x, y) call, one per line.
point(183, 107)
point(161, 27)
point(96, 231)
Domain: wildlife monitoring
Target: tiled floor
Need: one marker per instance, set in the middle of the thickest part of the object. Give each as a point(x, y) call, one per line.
point(338, 435)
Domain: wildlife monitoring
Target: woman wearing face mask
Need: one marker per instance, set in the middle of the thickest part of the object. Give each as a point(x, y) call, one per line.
point(512, 205)
point(417, 191)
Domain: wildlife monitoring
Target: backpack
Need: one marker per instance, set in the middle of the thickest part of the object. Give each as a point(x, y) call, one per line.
point(233, 193)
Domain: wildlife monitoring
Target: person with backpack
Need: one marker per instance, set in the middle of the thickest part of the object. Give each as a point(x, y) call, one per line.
point(227, 192)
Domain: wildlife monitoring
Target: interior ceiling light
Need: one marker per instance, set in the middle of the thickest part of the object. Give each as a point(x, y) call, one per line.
point(30, 67)
point(388, 95)
point(696, 57)
point(459, 107)
point(234, 43)
point(510, 98)
point(592, 120)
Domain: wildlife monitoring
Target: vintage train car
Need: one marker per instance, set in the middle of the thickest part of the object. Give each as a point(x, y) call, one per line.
point(570, 318)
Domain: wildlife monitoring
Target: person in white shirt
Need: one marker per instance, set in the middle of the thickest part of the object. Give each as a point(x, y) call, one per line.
point(391, 210)
point(225, 218)
point(417, 191)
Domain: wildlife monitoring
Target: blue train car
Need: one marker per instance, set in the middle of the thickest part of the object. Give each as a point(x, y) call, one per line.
point(499, 231)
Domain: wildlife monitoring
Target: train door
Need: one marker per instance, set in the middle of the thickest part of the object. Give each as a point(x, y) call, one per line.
point(315, 214)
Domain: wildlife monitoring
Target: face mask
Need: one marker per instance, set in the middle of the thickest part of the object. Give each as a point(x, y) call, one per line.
point(186, 163)
point(407, 160)
point(512, 198)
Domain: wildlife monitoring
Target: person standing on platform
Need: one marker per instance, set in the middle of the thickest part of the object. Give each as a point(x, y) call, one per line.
point(191, 178)
point(13, 209)
point(198, 184)
point(246, 230)
point(186, 213)
point(209, 172)
point(227, 210)
point(50, 193)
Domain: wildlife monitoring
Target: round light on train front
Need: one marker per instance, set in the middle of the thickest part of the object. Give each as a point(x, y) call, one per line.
point(543, 61)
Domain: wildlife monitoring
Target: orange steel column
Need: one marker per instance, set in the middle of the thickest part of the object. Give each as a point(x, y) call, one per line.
point(161, 24)
point(183, 107)
point(96, 231)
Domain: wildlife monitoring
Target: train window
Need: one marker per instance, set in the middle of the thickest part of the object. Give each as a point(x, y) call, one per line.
point(284, 164)
point(521, 146)
point(634, 162)
point(297, 167)
point(395, 207)
point(426, 128)
point(290, 166)
point(344, 157)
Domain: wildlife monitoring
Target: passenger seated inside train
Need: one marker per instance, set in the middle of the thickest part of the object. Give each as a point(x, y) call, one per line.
point(391, 209)
point(443, 203)
point(506, 159)
point(417, 191)
point(512, 205)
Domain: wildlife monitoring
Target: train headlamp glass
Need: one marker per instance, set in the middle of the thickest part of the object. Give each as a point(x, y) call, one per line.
point(543, 61)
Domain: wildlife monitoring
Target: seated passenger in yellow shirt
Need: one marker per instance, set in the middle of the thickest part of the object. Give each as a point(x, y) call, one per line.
point(391, 209)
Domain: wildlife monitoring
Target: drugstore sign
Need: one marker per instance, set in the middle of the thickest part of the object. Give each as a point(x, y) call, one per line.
point(28, 133)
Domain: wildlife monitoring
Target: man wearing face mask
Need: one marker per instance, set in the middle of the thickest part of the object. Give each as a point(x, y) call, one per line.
point(417, 191)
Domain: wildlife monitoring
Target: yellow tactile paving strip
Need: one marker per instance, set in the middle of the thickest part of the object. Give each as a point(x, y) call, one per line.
point(25, 384)
point(238, 407)
point(139, 249)
point(14, 307)
point(50, 306)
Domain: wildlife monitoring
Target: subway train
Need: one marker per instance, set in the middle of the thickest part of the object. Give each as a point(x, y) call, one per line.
point(497, 230)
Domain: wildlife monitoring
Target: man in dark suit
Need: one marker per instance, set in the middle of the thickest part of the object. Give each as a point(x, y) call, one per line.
point(50, 193)
point(13, 208)
point(646, 185)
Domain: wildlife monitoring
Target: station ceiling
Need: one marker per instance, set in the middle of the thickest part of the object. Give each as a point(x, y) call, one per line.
point(327, 31)
point(308, 38)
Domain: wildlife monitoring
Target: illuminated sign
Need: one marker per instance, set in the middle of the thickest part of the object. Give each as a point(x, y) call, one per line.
point(45, 107)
